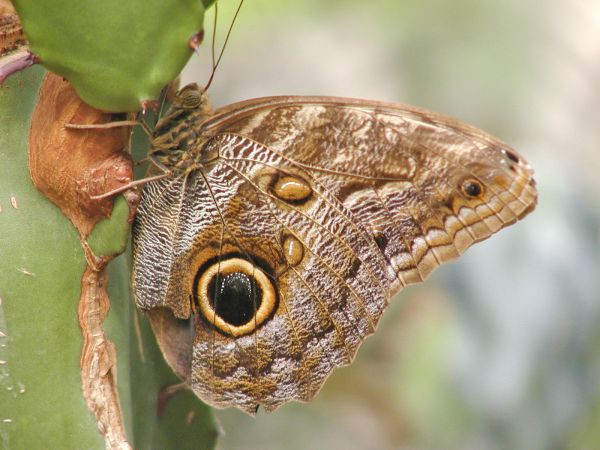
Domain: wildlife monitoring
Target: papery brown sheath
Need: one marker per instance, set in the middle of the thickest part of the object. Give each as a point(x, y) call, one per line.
point(286, 224)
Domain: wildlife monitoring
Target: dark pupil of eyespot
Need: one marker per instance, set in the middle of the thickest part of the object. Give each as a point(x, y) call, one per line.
point(472, 189)
point(236, 298)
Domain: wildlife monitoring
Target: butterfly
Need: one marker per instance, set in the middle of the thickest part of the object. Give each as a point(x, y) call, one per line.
point(274, 232)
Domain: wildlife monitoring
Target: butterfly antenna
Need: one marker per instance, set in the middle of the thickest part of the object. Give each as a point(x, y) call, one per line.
point(161, 103)
point(214, 35)
point(215, 64)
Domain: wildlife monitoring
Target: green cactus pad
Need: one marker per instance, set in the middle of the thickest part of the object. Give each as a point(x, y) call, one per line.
point(116, 53)
point(109, 236)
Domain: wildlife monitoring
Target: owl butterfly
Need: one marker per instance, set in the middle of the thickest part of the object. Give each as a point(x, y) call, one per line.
point(284, 225)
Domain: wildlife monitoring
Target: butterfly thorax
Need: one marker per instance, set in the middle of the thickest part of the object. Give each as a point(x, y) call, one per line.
point(177, 140)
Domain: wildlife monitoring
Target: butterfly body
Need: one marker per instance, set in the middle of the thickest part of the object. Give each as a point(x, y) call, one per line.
point(288, 223)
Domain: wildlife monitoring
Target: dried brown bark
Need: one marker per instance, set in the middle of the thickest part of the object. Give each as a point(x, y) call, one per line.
point(99, 360)
point(69, 166)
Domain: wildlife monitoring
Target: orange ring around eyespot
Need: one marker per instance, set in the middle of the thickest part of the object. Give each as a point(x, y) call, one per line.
point(232, 265)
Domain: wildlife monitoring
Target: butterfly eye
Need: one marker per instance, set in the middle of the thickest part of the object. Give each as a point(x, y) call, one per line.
point(472, 188)
point(235, 296)
point(189, 97)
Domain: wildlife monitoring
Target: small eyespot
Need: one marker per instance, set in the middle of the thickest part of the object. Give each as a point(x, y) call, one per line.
point(291, 189)
point(472, 188)
point(293, 250)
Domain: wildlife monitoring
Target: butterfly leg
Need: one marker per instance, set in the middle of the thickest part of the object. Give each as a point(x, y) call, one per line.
point(109, 125)
point(131, 184)
point(167, 393)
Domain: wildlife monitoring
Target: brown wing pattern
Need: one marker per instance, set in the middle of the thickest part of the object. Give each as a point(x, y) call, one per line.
point(400, 169)
point(314, 212)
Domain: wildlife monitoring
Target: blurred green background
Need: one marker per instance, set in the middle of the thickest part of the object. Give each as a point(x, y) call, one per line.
point(500, 350)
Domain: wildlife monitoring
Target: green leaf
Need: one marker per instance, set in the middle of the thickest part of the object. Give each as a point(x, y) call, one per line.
point(115, 53)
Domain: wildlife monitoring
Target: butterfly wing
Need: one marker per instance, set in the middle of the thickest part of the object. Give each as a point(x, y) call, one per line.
point(287, 247)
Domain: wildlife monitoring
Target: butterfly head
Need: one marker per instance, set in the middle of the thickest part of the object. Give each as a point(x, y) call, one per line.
point(192, 97)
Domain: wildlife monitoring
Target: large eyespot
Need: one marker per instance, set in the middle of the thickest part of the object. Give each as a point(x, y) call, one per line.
point(235, 296)
point(472, 188)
